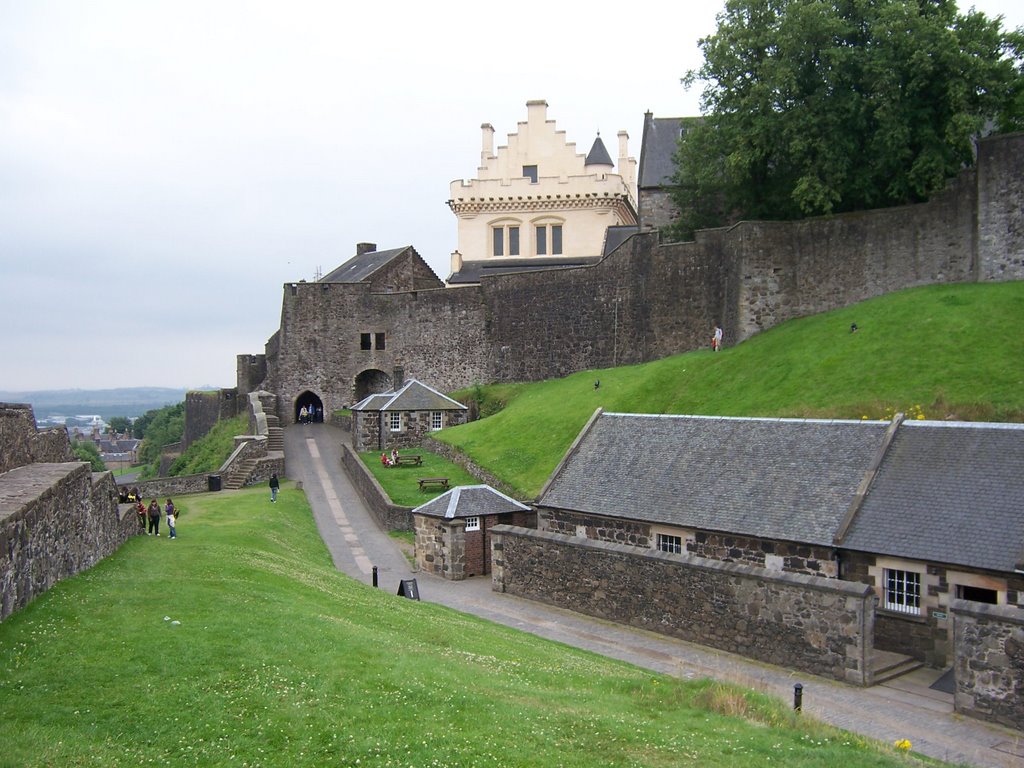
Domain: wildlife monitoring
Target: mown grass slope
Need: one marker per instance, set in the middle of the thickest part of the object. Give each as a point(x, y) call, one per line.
point(238, 644)
point(949, 351)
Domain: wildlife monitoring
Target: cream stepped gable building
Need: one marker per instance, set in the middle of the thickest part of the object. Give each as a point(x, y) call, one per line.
point(538, 204)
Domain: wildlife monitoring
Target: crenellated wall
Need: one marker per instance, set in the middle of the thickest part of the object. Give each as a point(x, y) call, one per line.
point(22, 443)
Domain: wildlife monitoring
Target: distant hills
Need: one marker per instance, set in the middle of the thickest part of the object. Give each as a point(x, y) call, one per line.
point(126, 401)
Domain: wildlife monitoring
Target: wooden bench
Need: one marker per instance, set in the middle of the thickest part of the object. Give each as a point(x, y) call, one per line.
point(412, 460)
point(426, 483)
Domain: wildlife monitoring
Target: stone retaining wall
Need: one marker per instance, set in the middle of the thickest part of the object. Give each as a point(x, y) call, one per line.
point(391, 517)
point(22, 443)
point(817, 625)
point(56, 520)
point(989, 652)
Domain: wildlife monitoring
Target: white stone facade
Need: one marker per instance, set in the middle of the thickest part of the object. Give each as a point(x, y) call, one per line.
point(536, 197)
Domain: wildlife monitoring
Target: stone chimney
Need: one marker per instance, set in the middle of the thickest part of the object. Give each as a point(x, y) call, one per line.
point(362, 248)
point(399, 377)
point(487, 148)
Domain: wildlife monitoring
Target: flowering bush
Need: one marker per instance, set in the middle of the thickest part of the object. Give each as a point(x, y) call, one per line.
point(903, 745)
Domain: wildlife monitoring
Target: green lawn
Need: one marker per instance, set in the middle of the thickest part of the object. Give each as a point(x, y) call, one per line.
point(238, 644)
point(948, 351)
point(401, 484)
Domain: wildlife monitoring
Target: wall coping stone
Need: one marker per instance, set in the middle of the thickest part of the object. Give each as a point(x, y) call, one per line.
point(1006, 613)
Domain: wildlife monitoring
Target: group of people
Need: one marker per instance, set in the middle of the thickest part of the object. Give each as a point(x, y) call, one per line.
point(152, 515)
point(128, 496)
point(310, 414)
point(389, 461)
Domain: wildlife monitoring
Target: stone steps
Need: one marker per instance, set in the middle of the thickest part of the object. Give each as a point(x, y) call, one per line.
point(887, 665)
point(240, 474)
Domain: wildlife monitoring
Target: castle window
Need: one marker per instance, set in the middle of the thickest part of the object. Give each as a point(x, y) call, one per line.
point(364, 341)
point(472, 524)
point(530, 172)
point(902, 591)
point(505, 239)
point(436, 420)
point(549, 239)
point(395, 420)
point(379, 340)
point(667, 543)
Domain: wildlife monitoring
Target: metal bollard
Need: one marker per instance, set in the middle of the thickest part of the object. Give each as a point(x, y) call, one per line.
point(798, 697)
point(375, 575)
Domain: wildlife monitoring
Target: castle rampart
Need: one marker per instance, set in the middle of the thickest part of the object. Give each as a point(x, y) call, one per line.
point(647, 300)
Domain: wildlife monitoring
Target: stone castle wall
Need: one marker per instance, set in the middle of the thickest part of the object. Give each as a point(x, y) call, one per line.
point(204, 409)
point(820, 626)
point(56, 520)
point(989, 653)
point(21, 443)
point(648, 300)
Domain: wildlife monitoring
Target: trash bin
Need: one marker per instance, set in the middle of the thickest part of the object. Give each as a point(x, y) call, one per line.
point(214, 482)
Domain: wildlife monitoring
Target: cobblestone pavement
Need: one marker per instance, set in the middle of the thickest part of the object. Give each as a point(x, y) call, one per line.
point(904, 708)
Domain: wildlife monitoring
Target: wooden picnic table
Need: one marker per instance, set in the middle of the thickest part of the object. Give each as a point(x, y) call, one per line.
point(410, 460)
point(426, 483)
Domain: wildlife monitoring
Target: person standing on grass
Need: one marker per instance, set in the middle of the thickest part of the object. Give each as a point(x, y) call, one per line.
point(154, 518)
point(172, 515)
point(140, 513)
point(716, 341)
point(275, 485)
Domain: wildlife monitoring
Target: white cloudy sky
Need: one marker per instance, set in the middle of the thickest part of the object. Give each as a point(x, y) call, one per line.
point(165, 167)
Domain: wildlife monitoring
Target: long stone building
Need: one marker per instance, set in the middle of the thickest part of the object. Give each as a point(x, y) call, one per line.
point(636, 299)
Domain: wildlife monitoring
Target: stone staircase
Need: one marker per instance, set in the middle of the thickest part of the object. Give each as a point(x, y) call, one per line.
point(275, 434)
point(241, 471)
point(886, 665)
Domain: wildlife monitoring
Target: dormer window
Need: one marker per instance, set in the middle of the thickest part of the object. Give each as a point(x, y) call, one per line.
point(530, 172)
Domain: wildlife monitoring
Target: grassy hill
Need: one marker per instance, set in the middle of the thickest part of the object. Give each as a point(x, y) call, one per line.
point(239, 644)
point(949, 351)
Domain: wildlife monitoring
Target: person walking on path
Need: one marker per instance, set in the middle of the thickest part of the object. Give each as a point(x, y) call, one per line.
point(154, 518)
point(275, 485)
point(172, 516)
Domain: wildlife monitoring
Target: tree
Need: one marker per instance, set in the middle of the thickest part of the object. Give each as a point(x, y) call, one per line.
point(162, 427)
point(119, 424)
point(822, 106)
point(86, 450)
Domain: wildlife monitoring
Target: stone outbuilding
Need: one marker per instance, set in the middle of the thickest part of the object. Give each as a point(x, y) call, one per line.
point(402, 417)
point(925, 512)
point(453, 530)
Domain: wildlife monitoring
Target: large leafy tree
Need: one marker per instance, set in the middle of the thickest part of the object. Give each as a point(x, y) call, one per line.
point(821, 106)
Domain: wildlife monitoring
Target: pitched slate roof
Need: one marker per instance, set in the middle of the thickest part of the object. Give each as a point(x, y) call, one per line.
point(412, 396)
point(470, 501)
point(785, 479)
point(472, 271)
point(949, 493)
point(658, 145)
point(360, 267)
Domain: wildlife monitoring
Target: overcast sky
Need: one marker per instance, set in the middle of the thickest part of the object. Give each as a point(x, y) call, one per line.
point(165, 167)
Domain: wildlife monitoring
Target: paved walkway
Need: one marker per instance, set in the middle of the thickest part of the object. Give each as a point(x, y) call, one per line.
point(901, 709)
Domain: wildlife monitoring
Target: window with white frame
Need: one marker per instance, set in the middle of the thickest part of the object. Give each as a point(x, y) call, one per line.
point(669, 543)
point(505, 239)
point(436, 420)
point(395, 419)
point(902, 591)
point(472, 524)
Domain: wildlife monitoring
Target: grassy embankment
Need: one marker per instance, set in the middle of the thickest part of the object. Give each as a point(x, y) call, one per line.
point(279, 660)
point(951, 351)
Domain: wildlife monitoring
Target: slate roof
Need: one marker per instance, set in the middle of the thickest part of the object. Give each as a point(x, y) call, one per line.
point(411, 396)
point(784, 479)
point(598, 154)
point(470, 501)
point(659, 142)
point(360, 267)
point(617, 235)
point(473, 271)
point(950, 493)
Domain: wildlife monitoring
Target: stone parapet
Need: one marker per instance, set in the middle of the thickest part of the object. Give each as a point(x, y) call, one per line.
point(817, 625)
point(391, 517)
point(989, 651)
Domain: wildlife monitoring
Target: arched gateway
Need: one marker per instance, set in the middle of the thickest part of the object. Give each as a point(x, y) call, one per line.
point(314, 408)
